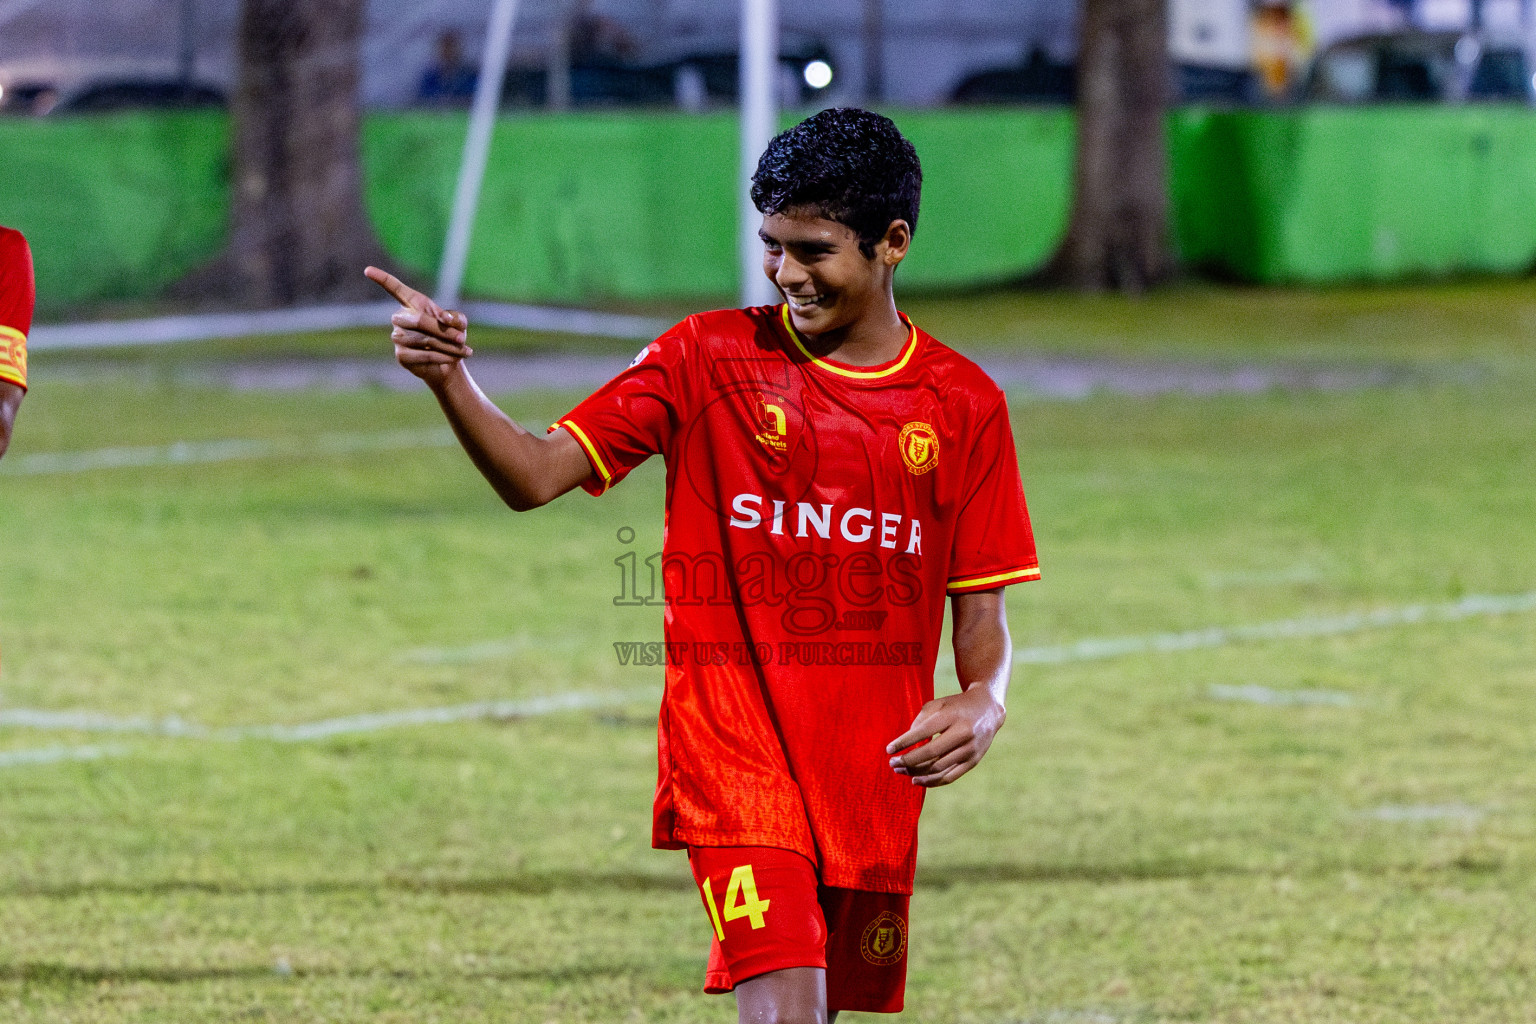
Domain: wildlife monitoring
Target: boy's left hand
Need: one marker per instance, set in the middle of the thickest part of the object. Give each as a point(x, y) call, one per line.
point(958, 730)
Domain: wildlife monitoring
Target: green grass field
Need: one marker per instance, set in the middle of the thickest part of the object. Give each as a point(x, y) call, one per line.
point(1356, 842)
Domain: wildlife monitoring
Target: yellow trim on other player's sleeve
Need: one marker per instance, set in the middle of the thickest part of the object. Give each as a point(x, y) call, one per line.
point(591, 450)
point(997, 580)
point(13, 356)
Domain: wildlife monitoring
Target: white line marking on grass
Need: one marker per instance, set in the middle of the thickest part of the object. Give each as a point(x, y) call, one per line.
point(86, 721)
point(206, 327)
point(1086, 650)
point(1281, 698)
point(558, 320)
point(493, 709)
point(1073, 1017)
point(1283, 629)
point(1413, 813)
point(184, 453)
point(163, 330)
point(53, 755)
point(485, 650)
point(90, 721)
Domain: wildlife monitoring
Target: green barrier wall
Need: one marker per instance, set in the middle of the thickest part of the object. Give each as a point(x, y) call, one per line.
point(588, 207)
point(114, 207)
point(641, 205)
point(1334, 194)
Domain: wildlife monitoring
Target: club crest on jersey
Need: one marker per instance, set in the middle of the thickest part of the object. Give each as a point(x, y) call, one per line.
point(919, 446)
point(885, 939)
point(774, 432)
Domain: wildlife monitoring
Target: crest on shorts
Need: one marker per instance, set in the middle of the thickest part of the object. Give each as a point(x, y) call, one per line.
point(919, 446)
point(885, 939)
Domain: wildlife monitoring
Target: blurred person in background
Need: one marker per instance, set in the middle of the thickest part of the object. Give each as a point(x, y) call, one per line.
point(17, 297)
point(1282, 45)
point(449, 79)
point(599, 39)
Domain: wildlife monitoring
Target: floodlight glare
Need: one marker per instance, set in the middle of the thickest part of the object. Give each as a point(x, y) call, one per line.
point(818, 74)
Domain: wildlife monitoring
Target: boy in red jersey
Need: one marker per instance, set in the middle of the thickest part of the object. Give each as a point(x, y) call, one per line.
point(832, 473)
point(17, 297)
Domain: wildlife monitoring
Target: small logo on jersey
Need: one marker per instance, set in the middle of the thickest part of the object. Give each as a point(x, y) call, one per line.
point(885, 940)
point(640, 358)
point(919, 444)
point(775, 426)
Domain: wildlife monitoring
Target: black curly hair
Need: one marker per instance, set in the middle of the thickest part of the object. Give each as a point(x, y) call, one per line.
point(845, 164)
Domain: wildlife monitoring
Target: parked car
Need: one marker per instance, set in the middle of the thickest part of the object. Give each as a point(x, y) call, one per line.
point(1198, 83)
point(131, 94)
point(28, 98)
point(809, 67)
point(1420, 67)
point(689, 80)
point(1035, 79)
point(1039, 79)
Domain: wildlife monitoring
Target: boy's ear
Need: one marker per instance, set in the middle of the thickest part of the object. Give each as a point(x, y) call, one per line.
point(895, 243)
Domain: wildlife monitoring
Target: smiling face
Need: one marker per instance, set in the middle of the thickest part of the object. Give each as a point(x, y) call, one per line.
point(828, 281)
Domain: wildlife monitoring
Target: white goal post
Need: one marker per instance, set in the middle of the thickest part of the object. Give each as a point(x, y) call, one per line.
point(759, 62)
point(477, 150)
point(758, 84)
point(759, 67)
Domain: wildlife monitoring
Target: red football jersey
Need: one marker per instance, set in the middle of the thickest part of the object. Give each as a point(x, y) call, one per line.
point(16, 300)
point(817, 515)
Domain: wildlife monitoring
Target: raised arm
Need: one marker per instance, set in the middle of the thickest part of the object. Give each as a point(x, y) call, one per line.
point(10, 401)
point(959, 728)
point(526, 469)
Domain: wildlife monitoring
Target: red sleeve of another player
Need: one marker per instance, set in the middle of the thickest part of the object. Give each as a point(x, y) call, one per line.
point(632, 417)
point(16, 300)
point(994, 544)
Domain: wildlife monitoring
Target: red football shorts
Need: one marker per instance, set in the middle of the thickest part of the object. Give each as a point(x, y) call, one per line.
point(769, 912)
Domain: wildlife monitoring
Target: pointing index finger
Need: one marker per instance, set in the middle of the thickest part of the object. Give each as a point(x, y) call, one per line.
point(398, 289)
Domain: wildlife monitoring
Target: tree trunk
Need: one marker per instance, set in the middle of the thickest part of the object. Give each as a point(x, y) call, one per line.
point(300, 232)
point(1118, 236)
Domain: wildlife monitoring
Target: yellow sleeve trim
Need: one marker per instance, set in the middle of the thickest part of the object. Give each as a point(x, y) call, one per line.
point(13, 356)
point(1000, 579)
point(591, 450)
